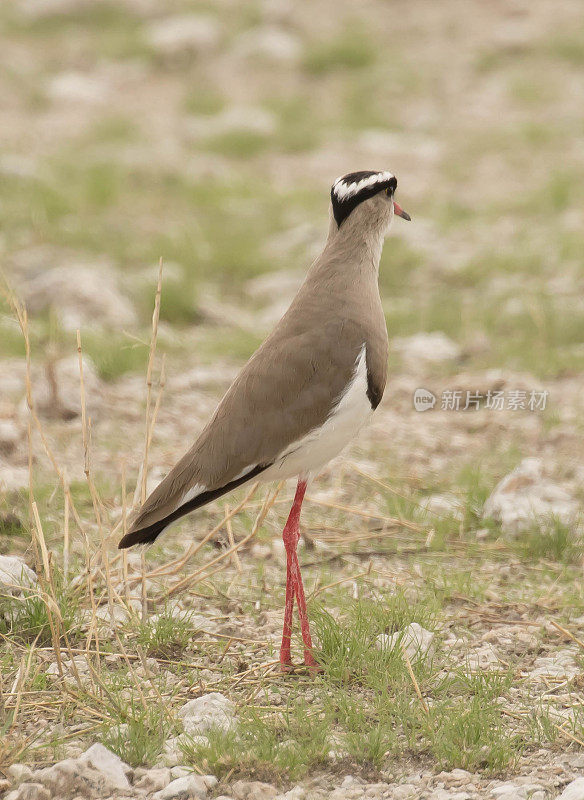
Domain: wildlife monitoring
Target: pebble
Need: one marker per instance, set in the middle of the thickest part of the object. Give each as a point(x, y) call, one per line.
point(212, 710)
point(417, 641)
point(270, 42)
point(29, 791)
point(82, 296)
point(183, 34)
point(195, 786)
point(253, 790)
point(15, 575)
point(525, 497)
point(109, 764)
point(427, 347)
point(574, 790)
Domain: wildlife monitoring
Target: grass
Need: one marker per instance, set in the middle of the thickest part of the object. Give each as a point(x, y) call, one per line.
point(166, 636)
point(351, 50)
point(493, 189)
point(27, 618)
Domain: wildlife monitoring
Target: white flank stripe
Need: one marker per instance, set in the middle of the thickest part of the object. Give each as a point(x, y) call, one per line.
point(313, 451)
point(196, 490)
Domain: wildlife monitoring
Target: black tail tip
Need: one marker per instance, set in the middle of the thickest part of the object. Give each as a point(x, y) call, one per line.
point(141, 536)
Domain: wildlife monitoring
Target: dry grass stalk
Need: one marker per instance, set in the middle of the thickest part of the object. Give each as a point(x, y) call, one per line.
point(360, 513)
point(235, 556)
point(20, 312)
point(149, 369)
point(408, 664)
point(567, 633)
point(189, 579)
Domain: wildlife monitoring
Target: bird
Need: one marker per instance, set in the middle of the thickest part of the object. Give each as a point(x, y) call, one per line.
point(304, 394)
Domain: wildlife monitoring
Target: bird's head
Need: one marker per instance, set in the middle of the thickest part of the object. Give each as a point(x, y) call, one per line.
point(365, 200)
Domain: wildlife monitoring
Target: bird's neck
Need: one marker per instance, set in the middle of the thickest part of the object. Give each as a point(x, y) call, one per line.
point(360, 248)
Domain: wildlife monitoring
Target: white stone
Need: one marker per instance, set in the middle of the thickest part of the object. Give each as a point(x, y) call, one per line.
point(194, 786)
point(29, 791)
point(426, 347)
point(253, 790)
point(13, 478)
point(10, 435)
point(19, 772)
point(560, 665)
point(154, 780)
point(525, 497)
point(483, 657)
point(83, 296)
point(251, 119)
point(15, 575)
point(417, 641)
point(269, 42)
point(187, 33)
point(511, 791)
point(77, 87)
point(212, 710)
point(109, 764)
point(120, 615)
point(443, 505)
point(56, 390)
point(573, 791)
point(79, 662)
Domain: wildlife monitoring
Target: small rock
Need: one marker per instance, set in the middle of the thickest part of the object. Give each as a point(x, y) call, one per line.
point(405, 791)
point(154, 780)
point(483, 657)
point(190, 786)
point(212, 710)
point(15, 575)
point(427, 347)
point(172, 753)
point(77, 87)
point(574, 790)
point(559, 665)
point(253, 790)
point(187, 33)
point(9, 436)
point(180, 771)
point(19, 772)
point(443, 505)
point(269, 42)
point(513, 791)
point(30, 791)
point(120, 615)
point(524, 498)
point(79, 664)
point(109, 764)
point(72, 777)
point(249, 119)
point(56, 391)
point(82, 296)
point(417, 641)
point(13, 478)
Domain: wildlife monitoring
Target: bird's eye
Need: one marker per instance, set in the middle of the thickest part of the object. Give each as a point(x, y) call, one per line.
point(389, 191)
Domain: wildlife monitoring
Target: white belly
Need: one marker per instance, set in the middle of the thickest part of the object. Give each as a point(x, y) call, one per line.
point(313, 451)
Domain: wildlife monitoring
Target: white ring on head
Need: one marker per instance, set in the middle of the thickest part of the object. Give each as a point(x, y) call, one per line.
point(344, 190)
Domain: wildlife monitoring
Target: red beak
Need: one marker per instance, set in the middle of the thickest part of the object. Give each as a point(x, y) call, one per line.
point(400, 212)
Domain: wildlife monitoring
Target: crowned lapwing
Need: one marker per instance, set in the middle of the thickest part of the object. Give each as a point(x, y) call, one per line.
point(305, 393)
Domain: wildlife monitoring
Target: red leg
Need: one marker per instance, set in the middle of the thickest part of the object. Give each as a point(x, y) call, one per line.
point(293, 579)
point(285, 656)
point(309, 659)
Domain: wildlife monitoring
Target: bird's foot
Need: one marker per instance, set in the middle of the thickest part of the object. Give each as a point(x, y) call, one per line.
point(286, 664)
point(313, 666)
